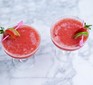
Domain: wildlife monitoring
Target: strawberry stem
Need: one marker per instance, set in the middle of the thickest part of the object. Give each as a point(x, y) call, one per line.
point(1, 30)
point(87, 26)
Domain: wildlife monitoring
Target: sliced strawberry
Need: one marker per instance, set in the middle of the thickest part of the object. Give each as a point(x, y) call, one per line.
point(82, 34)
point(83, 31)
point(79, 34)
point(12, 32)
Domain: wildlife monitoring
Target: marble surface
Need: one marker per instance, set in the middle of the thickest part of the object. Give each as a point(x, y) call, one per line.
point(46, 67)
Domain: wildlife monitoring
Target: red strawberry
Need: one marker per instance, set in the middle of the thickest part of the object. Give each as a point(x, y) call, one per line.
point(12, 32)
point(83, 31)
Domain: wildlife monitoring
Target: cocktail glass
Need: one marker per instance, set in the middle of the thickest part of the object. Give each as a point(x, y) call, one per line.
point(63, 35)
point(23, 47)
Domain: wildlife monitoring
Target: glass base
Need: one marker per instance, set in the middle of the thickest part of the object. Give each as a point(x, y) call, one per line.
point(23, 63)
point(62, 66)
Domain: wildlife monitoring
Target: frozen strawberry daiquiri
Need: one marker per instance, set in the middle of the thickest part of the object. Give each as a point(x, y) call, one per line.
point(22, 42)
point(70, 33)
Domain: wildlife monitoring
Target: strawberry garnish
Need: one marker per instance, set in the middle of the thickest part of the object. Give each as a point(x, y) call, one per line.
point(12, 32)
point(83, 31)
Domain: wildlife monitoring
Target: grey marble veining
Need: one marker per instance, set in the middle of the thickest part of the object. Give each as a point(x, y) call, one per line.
point(49, 66)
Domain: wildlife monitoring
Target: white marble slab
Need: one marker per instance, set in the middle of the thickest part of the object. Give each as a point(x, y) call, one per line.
point(48, 68)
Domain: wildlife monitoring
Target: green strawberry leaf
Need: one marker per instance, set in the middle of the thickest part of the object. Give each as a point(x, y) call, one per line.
point(1, 30)
point(87, 26)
